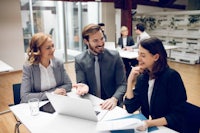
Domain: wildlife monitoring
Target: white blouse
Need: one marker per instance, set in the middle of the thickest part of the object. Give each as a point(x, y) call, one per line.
point(124, 41)
point(150, 89)
point(47, 77)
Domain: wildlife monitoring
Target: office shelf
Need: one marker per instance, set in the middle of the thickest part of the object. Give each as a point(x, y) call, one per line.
point(175, 28)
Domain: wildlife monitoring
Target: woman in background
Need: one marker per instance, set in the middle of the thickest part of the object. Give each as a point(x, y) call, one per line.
point(126, 42)
point(159, 90)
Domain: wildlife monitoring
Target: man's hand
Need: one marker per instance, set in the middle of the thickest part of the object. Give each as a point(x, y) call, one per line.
point(81, 89)
point(109, 104)
point(60, 91)
point(128, 48)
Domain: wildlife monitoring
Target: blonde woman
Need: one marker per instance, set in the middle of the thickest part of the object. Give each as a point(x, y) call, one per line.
point(43, 72)
point(125, 41)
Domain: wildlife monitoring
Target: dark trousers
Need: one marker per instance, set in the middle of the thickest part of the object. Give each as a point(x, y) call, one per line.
point(128, 63)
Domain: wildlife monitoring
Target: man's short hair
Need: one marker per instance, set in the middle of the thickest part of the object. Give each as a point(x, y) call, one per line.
point(90, 29)
point(141, 27)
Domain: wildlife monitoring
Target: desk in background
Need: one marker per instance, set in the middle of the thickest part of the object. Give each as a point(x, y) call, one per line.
point(5, 67)
point(124, 54)
point(55, 123)
point(170, 47)
point(128, 54)
point(133, 54)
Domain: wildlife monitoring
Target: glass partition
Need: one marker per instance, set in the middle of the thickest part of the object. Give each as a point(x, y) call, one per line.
point(63, 20)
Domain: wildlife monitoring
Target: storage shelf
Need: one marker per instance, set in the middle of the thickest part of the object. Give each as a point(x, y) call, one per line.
point(174, 28)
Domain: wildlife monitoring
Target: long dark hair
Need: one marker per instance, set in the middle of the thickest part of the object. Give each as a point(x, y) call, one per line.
point(155, 46)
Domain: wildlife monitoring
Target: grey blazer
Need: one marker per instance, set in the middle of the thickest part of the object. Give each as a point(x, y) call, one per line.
point(113, 80)
point(31, 81)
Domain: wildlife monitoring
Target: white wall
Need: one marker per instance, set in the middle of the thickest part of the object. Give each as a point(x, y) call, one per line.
point(92, 13)
point(150, 9)
point(11, 36)
point(118, 24)
point(108, 18)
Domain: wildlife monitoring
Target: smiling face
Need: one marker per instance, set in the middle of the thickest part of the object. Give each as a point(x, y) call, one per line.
point(96, 42)
point(145, 59)
point(47, 49)
point(124, 31)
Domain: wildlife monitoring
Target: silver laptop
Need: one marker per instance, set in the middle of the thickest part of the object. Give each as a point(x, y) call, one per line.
point(76, 107)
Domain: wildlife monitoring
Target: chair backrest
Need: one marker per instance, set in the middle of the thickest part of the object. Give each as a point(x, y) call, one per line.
point(192, 118)
point(16, 93)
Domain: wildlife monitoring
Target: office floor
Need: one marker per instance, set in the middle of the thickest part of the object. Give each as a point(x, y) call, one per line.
point(189, 73)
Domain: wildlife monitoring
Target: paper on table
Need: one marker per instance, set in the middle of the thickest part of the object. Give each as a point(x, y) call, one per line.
point(73, 94)
point(136, 116)
point(118, 124)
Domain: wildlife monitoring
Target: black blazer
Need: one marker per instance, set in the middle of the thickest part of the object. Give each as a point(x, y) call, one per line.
point(166, 101)
point(130, 41)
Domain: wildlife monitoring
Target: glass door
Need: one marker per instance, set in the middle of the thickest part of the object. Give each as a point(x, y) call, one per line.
point(46, 17)
point(77, 15)
point(63, 20)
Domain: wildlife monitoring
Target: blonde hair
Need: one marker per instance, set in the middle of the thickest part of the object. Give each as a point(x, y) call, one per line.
point(33, 51)
point(124, 28)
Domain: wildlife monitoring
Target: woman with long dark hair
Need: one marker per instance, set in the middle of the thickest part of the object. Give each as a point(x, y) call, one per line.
point(159, 90)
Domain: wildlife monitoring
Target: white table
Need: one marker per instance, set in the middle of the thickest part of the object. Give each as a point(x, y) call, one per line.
point(128, 54)
point(5, 67)
point(55, 123)
point(170, 47)
point(134, 54)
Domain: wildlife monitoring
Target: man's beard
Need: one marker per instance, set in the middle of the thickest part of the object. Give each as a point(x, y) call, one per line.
point(93, 49)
